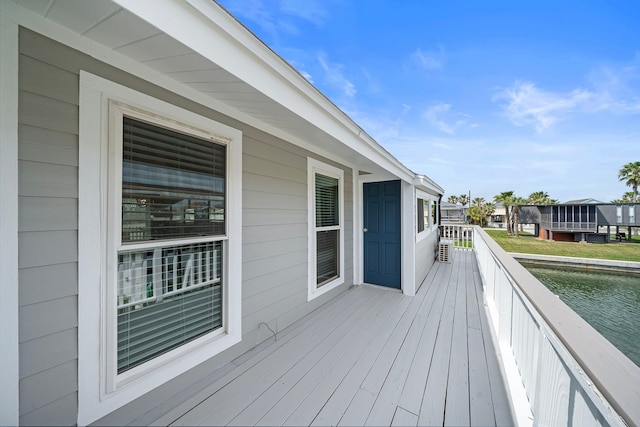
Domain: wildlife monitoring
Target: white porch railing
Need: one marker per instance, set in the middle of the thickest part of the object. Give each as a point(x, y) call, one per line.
point(559, 370)
point(460, 235)
point(453, 219)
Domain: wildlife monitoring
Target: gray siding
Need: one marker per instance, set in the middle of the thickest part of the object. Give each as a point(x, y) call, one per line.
point(48, 188)
point(425, 257)
point(274, 236)
point(608, 215)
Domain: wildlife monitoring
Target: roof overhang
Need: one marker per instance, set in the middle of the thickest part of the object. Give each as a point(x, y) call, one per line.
point(197, 49)
point(425, 183)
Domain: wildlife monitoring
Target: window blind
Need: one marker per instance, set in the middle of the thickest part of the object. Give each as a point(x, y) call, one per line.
point(327, 240)
point(173, 187)
point(166, 297)
point(173, 184)
point(327, 253)
point(327, 209)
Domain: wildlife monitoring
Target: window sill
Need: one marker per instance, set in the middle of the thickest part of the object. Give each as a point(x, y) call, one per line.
point(315, 292)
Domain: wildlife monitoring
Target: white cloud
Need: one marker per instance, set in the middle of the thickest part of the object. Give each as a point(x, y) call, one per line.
point(334, 76)
point(442, 145)
point(613, 88)
point(617, 88)
point(309, 10)
point(528, 105)
point(433, 60)
point(307, 76)
point(283, 18)
point(434, 115)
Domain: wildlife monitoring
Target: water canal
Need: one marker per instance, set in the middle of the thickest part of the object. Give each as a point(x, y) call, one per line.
point(609, 302)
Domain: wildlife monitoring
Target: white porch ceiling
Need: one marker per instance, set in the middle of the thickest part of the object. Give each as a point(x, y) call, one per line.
point(121, 31)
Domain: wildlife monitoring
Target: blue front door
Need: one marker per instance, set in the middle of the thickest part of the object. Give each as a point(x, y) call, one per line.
point(382, 243)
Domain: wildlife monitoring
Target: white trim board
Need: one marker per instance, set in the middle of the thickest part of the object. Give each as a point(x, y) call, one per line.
point(315, 166)
point(9, 303)
point(94, 397)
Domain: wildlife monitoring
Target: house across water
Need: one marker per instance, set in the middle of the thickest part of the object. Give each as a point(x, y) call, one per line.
point(583, 220)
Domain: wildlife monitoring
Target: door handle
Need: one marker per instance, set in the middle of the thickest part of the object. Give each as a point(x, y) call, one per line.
point(364, 230)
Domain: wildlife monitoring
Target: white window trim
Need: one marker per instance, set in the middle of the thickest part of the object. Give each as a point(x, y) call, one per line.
point(99, 390)
point(313, 167)
point(433, 225)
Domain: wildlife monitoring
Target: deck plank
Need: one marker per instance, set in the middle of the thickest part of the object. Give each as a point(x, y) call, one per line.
point(359, 409)
point(315, 401)
point(337, 404)
point(433, 401)
point(409, 354)
point(457, 399)
point(237, 394)
point(413, 392)
point(480, 398)
point(212, 383)
point(307, 353)
point(402, 417)
point(369, 357)
point(330, 368)
point(379, 372)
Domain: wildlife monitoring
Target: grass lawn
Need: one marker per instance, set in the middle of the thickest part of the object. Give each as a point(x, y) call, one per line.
point(527, 244)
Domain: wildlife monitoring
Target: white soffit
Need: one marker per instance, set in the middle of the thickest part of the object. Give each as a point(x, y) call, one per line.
point(122, 27)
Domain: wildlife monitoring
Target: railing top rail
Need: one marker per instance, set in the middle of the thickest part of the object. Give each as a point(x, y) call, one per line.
point(615, 375)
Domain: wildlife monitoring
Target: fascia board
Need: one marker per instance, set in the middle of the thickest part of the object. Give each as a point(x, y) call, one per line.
point(425, 183)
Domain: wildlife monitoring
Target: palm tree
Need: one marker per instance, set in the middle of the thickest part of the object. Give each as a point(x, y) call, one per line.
point(488, 209)
point(463, 199)
point(476, 214)
point(517, 202)
point(480, 209)
point(541, 198)
point(505, 198)
point(453, 200)
point(478, 201)
point(631, 174)
point(626, 198)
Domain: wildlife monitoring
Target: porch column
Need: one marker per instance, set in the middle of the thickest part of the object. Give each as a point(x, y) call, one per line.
point(9, 338)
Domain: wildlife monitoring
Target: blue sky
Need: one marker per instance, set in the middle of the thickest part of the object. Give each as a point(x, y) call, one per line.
point(481, 96)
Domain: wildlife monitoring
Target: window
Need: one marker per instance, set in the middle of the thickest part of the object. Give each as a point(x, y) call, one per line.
point(173, 191)
point(434, 212)
point(326, 231)
point(427, 212)
point(619, 214)
point(159, 242)
point(423, 214)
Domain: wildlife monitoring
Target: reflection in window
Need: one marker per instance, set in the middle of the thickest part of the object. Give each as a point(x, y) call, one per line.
point(173, 184)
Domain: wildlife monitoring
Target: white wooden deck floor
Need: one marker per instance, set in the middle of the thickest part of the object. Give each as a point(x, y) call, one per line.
point(369, 357)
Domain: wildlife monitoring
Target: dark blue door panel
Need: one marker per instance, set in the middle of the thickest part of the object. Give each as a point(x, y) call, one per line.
point(382, 243)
